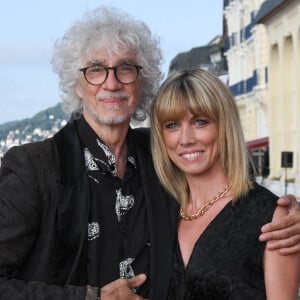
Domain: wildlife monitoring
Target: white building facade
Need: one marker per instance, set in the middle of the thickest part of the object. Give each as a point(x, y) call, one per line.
point(263, 57)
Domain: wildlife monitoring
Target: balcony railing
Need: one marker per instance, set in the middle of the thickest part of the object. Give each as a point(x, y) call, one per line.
point(237, 38)
point(244, 86)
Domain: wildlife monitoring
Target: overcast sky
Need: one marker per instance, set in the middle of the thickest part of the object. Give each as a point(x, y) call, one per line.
point(28, 30)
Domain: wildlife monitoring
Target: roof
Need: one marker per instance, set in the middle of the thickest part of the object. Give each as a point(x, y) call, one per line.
point(268, 8)
point(192, 58)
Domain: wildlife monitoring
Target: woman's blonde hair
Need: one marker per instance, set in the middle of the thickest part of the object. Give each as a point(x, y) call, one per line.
point(203, 94)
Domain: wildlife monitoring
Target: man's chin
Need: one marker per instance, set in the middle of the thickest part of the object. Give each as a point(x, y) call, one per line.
point(111, 117)
point(113, 120)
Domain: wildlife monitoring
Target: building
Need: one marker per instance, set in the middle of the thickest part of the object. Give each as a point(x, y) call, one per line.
point(281, 20)
point(245, 51)
point(208, 57)
point(262, 52)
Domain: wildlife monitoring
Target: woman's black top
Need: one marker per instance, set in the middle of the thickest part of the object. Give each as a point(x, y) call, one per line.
point(227, 259)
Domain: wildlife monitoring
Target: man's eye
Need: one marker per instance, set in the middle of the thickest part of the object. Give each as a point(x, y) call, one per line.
point(96, 70)
point(125, 68)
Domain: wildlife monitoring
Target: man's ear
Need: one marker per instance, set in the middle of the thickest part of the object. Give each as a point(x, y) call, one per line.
point(78, 90)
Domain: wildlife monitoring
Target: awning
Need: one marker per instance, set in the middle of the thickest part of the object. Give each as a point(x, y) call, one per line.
point(258, 143)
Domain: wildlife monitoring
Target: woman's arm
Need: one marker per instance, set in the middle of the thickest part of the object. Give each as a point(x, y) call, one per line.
point(282, 273)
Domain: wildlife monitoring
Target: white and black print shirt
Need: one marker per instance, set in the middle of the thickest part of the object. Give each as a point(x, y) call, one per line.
point(117, 231)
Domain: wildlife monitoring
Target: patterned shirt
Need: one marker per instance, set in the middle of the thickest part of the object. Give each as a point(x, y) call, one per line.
point(118, 238)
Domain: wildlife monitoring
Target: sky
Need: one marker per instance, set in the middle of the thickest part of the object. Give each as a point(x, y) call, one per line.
point(29, 29)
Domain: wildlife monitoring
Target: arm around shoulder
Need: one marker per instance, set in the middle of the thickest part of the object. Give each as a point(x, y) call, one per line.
point(283, 233)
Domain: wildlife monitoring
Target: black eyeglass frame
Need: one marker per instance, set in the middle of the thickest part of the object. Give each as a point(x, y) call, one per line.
point(83, 70)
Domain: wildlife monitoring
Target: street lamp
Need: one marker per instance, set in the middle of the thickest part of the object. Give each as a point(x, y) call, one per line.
point(286, 162)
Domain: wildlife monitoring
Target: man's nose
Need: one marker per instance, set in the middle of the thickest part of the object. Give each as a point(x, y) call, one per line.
point(111, 81)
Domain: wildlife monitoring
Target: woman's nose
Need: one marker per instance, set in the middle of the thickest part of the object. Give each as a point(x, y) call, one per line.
point(187, 136)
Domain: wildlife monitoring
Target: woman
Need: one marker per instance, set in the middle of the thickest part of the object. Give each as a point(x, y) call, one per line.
point(201, 159)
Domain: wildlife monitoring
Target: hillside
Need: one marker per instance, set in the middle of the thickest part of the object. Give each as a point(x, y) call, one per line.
point(44, 120)
point(42, 125)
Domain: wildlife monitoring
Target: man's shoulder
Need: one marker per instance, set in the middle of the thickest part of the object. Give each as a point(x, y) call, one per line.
point(49, 148)
point(35, 152)
point(33, 162)
point(33, 147)
point(141, 137)
point(143, 132)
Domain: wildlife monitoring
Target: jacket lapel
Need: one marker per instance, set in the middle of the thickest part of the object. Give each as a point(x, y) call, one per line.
point(73, 207)
point(162, 214)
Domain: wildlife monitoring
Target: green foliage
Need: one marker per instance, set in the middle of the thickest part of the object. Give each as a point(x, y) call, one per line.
point(44, 120)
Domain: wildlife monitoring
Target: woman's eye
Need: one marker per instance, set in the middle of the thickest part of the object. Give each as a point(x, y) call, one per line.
point(201, 122)
point(170, 125)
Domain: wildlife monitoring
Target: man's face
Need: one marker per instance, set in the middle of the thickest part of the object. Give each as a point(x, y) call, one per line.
point(111, 102)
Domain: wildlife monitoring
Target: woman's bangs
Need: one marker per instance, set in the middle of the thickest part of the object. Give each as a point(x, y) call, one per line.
point(200, 105)
point(173, 107)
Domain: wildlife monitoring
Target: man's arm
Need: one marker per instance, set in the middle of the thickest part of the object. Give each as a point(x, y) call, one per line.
point(20, 215)
point(284, 235)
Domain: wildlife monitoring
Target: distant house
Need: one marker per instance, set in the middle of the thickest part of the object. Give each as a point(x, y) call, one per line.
point(209, 57)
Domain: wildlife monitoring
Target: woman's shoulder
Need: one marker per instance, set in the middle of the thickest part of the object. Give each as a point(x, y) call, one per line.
point(261, 193)
point(259, 203)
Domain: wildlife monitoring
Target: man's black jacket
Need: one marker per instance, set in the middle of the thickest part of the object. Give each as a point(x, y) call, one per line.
point(44, 208)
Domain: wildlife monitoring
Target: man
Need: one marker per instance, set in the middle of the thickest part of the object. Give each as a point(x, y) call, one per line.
point(84, 210)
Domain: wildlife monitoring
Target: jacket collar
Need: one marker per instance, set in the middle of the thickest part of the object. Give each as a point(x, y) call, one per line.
point(162, 214)
point(70, 153)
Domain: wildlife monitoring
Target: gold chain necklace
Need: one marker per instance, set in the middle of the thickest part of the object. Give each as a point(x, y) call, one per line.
point(204, 208)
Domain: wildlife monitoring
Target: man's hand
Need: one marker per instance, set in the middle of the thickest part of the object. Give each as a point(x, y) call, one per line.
point(121, 289)
point(285, 234)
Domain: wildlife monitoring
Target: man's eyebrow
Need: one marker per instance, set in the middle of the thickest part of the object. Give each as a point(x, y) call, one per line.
point(127, 61)
point(96, 62)
point(118, 62)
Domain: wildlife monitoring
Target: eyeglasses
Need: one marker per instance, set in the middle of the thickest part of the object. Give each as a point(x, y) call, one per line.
point(98, 74)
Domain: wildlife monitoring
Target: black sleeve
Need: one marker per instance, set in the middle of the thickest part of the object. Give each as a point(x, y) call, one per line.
point(20, 214)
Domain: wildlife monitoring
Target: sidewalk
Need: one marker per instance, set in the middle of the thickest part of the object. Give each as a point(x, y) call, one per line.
point(278, 187)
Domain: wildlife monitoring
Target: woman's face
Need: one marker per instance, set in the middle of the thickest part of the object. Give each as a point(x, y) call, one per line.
point(192, 144)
